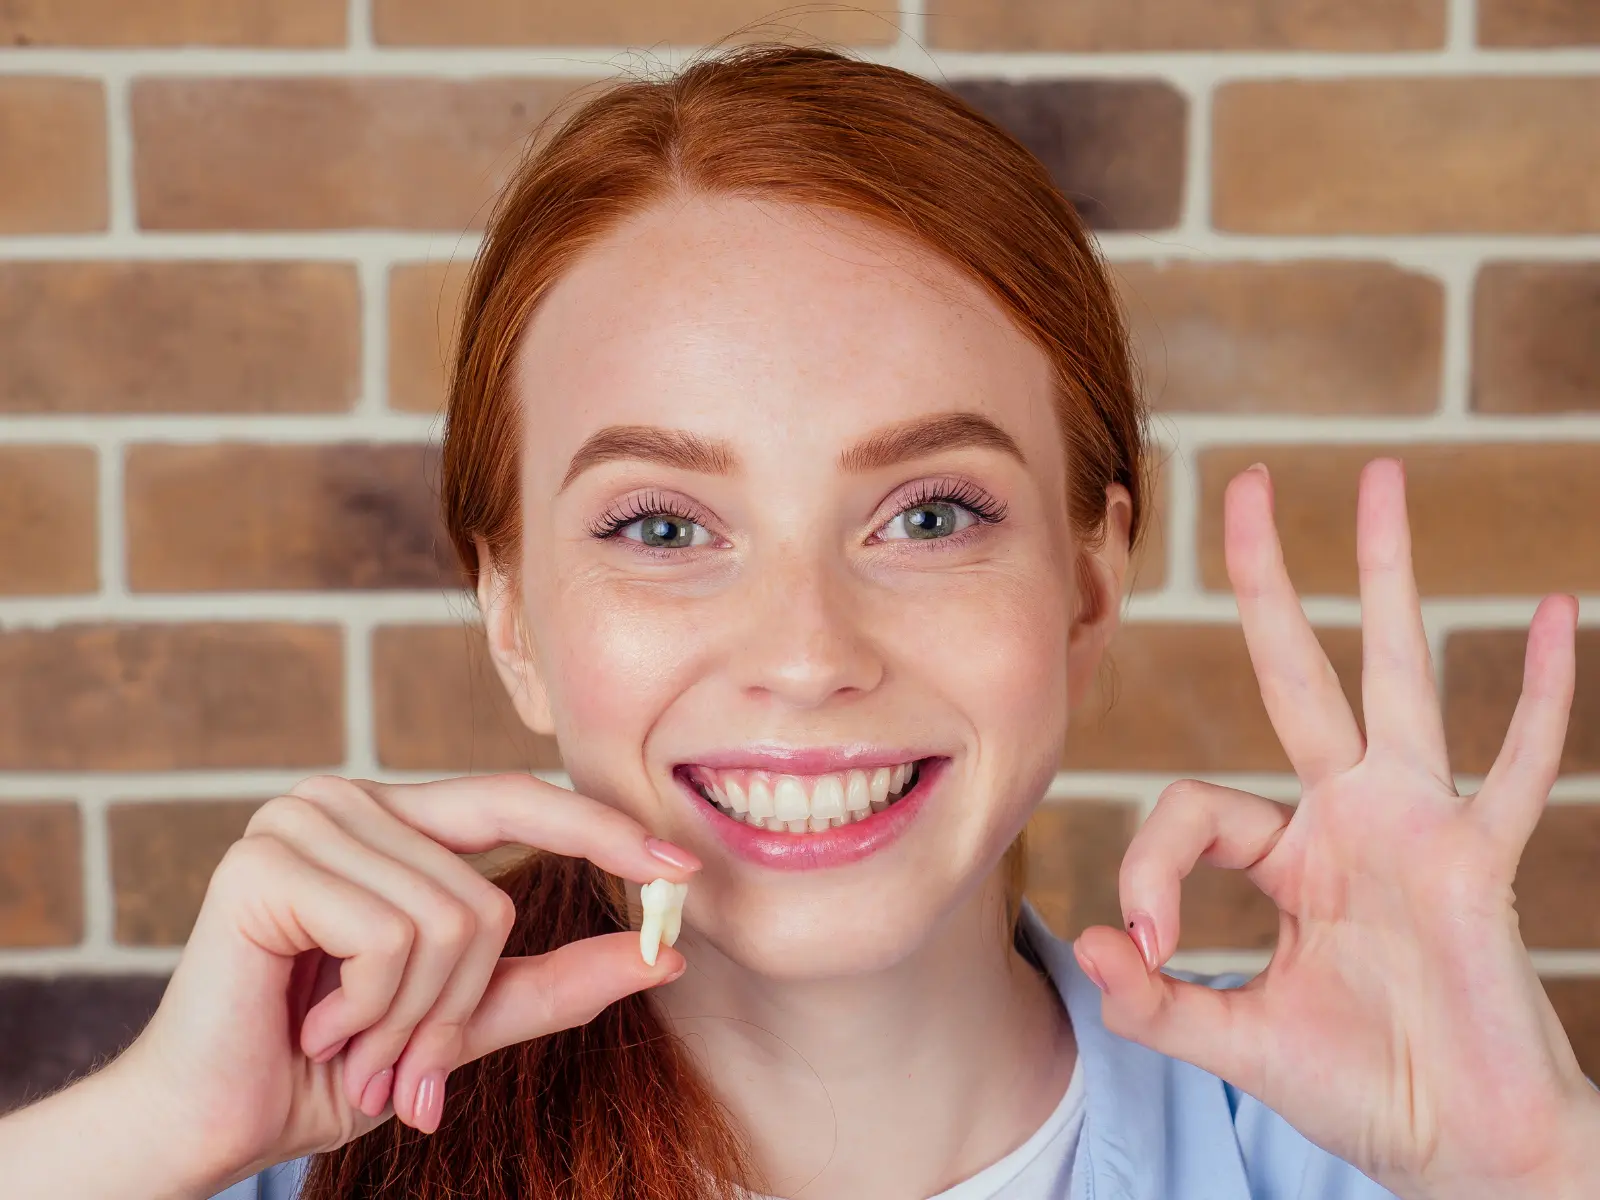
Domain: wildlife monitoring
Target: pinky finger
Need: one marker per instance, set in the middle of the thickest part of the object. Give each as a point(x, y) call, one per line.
point(1515, 790)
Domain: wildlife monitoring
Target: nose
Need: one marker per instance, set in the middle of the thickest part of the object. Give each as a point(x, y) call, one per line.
point(806, 635)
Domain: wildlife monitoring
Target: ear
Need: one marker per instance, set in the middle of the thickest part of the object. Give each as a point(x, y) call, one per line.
point(1102, 575)
point(510, 649)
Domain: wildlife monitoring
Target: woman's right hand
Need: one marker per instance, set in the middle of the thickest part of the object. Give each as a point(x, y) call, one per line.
point(346, 903)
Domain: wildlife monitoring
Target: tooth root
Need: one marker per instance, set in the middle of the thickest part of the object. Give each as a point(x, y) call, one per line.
point(789, 800)
point(827, 798)
point(879, 785)
point(736, 797)
point(857, 793)
point(672, 919)
point(760, 798)
point(655, 898)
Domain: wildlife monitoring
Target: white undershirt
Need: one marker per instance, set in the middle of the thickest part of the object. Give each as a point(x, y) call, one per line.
point(1040, 1168)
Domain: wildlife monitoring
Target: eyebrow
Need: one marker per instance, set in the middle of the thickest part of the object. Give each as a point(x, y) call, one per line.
point(651, 443)
point(927, 435)
point(885, 447)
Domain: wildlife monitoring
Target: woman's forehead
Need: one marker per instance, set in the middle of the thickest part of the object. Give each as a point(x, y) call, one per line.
point(736, 317)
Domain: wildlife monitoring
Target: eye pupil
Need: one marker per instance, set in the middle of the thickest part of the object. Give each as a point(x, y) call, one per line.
point(930, 520)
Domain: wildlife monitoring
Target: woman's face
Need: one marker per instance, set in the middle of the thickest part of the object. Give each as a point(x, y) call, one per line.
point(794, 502)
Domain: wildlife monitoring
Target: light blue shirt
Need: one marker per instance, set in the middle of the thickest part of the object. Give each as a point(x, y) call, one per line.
point(1154, 1128)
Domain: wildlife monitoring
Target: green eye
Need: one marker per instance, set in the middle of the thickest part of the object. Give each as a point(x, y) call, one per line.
point(930, 520)
point(664, 531)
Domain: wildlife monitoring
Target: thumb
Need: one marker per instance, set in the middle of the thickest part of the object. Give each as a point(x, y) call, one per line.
point(1219, 1031)
point(531, 997)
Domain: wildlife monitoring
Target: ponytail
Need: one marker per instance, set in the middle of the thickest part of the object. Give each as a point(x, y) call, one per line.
point(611, 1110)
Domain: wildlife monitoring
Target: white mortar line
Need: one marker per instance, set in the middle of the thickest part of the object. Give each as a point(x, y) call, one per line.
point(361, 756)
point(1183, 530)
point(358, 26)
point(1461, 28)
point(457, 62)
point(373, 277)
point(111, 524)
point(99, 901)
point(119, 159)
point(1193, 241)
point(1195, 222)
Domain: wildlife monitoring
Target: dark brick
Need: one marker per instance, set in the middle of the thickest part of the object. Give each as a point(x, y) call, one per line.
point(55, 1030)
point(1116, 149)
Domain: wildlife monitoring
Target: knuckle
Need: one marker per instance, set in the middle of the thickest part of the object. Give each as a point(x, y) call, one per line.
point(253, 856)
point(498, 913)
point(288, 815)
point(449, 923)
point(393, 934)
point(1182, 795)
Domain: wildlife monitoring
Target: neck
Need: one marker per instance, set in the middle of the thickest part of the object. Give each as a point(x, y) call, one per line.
point(896, 1084)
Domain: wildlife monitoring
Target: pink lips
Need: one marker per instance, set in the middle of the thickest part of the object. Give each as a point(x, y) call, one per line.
point(827, 848)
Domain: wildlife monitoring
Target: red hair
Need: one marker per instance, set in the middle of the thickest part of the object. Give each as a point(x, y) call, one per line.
point(614, 1109)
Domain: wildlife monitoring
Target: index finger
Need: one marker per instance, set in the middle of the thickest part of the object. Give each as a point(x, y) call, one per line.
point(471, 814)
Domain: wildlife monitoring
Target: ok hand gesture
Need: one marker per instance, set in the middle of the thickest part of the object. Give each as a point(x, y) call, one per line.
point(1400, 1023)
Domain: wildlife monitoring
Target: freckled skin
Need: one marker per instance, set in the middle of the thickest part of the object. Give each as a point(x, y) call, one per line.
point(805, 614)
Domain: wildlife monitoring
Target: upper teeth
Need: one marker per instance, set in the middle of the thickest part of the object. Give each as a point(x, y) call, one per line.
point(804, 802)
point(662, 901)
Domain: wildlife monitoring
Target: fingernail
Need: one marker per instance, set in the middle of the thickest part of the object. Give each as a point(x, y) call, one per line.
point(376, 1094)
point(674, 856)
point(330, 1051)
point(430, 1101)
point(1144, 934)
point(1092, 971)
point(682, 967)
point(1259, 467)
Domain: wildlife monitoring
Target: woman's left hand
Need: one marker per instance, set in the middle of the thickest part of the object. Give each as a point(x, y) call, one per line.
point(1400, 1023)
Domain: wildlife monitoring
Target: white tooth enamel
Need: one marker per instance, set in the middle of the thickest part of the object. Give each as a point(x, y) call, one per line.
point(827, 798)
point(672, 919)
point(736, 797)
point(789, 800)
point(817, 824)
point(717, 794)
point(858, 795)
point(897, 776)
point(879, 805)
point(835, 822)
point(795, 826)
point(760, 797)
point(654, 897)
point(880, 787)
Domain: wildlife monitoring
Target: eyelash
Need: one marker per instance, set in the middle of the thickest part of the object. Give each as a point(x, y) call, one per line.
point(979, 503)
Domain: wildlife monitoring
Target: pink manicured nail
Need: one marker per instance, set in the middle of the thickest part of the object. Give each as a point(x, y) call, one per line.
point(1144, 934)
point(1092, 971)
point(674, 856)
point(376, 1094)
point(430, 1101)
point(1260, 468)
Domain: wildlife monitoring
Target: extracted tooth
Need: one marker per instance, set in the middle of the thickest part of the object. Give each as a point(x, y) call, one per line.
point(760, 797)
point(662, 901)
point(672, 920)
point(827, 800)
point(880, 788)
point(789, 800)
point(857, 793)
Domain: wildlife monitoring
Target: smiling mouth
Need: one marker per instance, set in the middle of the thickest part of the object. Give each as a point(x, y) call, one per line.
point(803, 803)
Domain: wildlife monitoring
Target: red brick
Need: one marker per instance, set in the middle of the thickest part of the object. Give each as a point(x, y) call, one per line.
point(179, 337)
point(1115, 148)
point(52, 155)
point(1183, 698)
point(1496, 154)
point(329, 153)
point(1486, 519)
point(1538, 23)
point(253, 517)
point(162, 857)
point(617, 23)
point(1075, 848)
point(1294, 337)
point(1558, 894)
point(1577, 1003)
point(439, 706)
point(424, 315)
point(41, 874)
point(157, 697)
point(1482, 680)
point(1089, 25)
point(172, 23)
point(1536, 337)
point(48, 544)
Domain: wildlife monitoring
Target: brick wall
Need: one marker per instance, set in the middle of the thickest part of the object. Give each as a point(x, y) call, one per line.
point(230, 236)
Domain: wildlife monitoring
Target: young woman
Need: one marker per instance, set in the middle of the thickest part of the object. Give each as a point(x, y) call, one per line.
point(793, 444)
